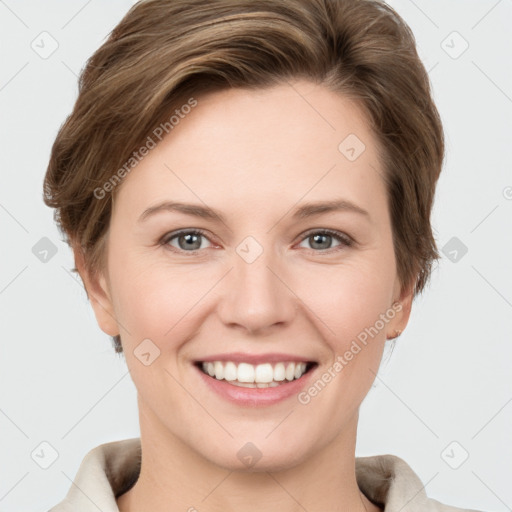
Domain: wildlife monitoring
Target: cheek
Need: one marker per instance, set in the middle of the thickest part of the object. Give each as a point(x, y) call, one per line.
point(354, 306)
point(156, 301)
point(350, 308)
point(349, 298)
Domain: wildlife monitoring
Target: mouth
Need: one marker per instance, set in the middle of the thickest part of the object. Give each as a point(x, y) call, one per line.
point(262, 375)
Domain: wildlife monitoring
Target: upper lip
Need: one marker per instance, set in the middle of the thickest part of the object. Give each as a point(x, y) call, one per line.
point(241, 357)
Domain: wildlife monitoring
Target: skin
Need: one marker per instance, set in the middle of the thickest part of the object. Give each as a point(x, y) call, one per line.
point(254, 156)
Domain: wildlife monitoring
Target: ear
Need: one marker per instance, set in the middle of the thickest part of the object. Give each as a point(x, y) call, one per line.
point(98, 292)
point(402, 294)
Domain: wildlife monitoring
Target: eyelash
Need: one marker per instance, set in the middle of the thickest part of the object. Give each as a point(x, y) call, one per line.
point(345, 240)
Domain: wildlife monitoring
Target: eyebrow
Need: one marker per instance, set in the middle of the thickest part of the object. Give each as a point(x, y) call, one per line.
point(305, 211)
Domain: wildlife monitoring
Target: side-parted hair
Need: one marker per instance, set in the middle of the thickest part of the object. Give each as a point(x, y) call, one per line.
point(164, 54)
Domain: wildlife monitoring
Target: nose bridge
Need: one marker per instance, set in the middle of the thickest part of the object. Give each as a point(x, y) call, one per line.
point(256, 297)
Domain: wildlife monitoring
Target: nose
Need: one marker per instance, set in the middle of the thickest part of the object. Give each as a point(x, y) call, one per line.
point(256, 297)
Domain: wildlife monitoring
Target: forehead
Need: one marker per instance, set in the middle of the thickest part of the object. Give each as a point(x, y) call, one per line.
point(254, 149)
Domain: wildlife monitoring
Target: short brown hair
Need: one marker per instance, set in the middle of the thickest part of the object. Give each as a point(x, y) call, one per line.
point(165, 51)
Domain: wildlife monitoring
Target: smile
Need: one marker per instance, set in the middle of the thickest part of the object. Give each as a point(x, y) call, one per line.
point(263, 375)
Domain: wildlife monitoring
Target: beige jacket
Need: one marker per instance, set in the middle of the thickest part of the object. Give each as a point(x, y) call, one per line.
point(110, 469)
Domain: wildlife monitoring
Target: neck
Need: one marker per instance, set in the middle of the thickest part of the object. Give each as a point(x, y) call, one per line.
point(174, 478)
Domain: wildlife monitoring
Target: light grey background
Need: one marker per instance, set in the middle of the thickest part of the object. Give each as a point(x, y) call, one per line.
point(448, 379)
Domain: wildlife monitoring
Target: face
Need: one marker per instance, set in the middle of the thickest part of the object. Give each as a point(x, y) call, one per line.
point(253, 275)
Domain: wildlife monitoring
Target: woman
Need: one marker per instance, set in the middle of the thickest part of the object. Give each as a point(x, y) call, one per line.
point(247, 189)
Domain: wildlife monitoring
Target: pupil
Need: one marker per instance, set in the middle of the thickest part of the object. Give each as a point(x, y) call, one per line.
point(317, 237)
point(189, 240)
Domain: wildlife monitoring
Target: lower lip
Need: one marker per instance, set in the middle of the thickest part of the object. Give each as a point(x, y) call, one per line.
point(256, 397)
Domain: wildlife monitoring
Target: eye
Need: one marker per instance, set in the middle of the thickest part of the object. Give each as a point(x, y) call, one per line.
point(190, 240)
point(187, 240)
point(322, 239)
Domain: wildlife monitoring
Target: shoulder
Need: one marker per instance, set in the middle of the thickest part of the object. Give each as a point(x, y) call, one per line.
point(105, 472)
point(390, 482)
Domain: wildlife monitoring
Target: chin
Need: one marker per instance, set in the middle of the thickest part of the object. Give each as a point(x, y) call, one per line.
point(258, 455)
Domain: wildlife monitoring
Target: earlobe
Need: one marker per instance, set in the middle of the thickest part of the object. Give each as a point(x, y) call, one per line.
point(98, 294)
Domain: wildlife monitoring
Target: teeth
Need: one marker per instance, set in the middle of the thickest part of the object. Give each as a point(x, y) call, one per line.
point(219, 370)
point(230, 371)
point(279, 372)
point(290, 371)
point(248, 375)
point(245, 372)
point(264, 373)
